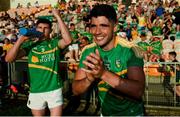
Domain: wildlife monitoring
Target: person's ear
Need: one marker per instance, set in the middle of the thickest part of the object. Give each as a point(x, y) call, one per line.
point(115, 27)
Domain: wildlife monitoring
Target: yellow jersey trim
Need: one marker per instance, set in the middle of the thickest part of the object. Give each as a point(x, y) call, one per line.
point(41, 67)
point(46, 52)
point(103, 89)
point(123, 42)
point(122, 72)
point(88, 46)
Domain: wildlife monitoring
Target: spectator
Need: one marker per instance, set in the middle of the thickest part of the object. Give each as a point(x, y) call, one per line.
point(167, 30)
point(176, 69)
point(7, 45)
point(159, 9)
point(172, 56)
point(2, 35)
point(167, 69)
point(19, 6)
point(1, 76)
point(176, 14)
point(87, 34)
point(28, 5)
point(157, 26)
point(36, 4)
point(82, 43)
point(177, 87)
point(134, 32)
point(74, 48)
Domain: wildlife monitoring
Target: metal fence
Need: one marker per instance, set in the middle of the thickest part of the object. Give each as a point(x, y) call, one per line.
point(161, 83)
point(159, 91)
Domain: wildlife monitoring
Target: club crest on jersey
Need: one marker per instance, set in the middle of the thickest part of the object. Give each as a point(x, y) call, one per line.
point(49, 45)
point(118, 63)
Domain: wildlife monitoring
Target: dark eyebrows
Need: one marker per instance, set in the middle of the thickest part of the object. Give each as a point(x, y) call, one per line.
point(92, 25)
point(103, 25)
point(42, 27)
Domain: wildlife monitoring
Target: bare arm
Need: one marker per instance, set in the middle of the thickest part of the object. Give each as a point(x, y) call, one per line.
point(81, 82)
point(132, 86)
point(137, 14)
point(15, 52)
point(66, 37)
point(149, 23)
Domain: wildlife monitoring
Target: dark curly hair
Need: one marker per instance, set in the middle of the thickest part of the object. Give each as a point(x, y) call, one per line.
point(43, 20)
point(104, 10)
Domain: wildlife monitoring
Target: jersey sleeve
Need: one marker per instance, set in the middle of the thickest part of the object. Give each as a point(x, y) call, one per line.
point(85, 53)
point(83, 57)
point(135, 61)
point(27, 46)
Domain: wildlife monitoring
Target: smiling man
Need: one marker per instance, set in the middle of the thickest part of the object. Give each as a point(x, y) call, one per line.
point(115, 66)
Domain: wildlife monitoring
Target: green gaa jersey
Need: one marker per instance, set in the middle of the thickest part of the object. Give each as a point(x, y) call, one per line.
point(43, 64)
point(74, 35)
point(116, 60)
point(156, 31)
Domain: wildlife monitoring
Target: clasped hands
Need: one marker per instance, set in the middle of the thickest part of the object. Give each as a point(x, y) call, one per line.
point(94, 65)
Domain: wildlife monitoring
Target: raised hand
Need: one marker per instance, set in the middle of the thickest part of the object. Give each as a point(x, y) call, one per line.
point(94, 64)
point(56, 12)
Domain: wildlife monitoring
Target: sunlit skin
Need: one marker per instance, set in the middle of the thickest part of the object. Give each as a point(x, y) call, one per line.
point(102, 30)
point(93, 68)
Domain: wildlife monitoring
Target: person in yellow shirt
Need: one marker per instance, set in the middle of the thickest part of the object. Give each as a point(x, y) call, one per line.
point(7, 44)
point(134, 32)
point(142, 21)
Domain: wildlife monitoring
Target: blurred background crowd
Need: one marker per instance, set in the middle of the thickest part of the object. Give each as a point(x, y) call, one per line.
point(152, 24)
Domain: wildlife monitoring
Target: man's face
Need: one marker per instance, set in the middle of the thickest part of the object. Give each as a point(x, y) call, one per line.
point(72, 27)
point(102, 30)
point(83, 42)
point(6, 41)
point(171, 57)
point(44, 28)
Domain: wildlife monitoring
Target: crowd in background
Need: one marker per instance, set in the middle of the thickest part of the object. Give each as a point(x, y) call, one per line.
point(153, 25)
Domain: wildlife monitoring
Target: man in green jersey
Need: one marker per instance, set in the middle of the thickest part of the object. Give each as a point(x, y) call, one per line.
point(43, 63)
point(113, 65)
point(74, 47)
